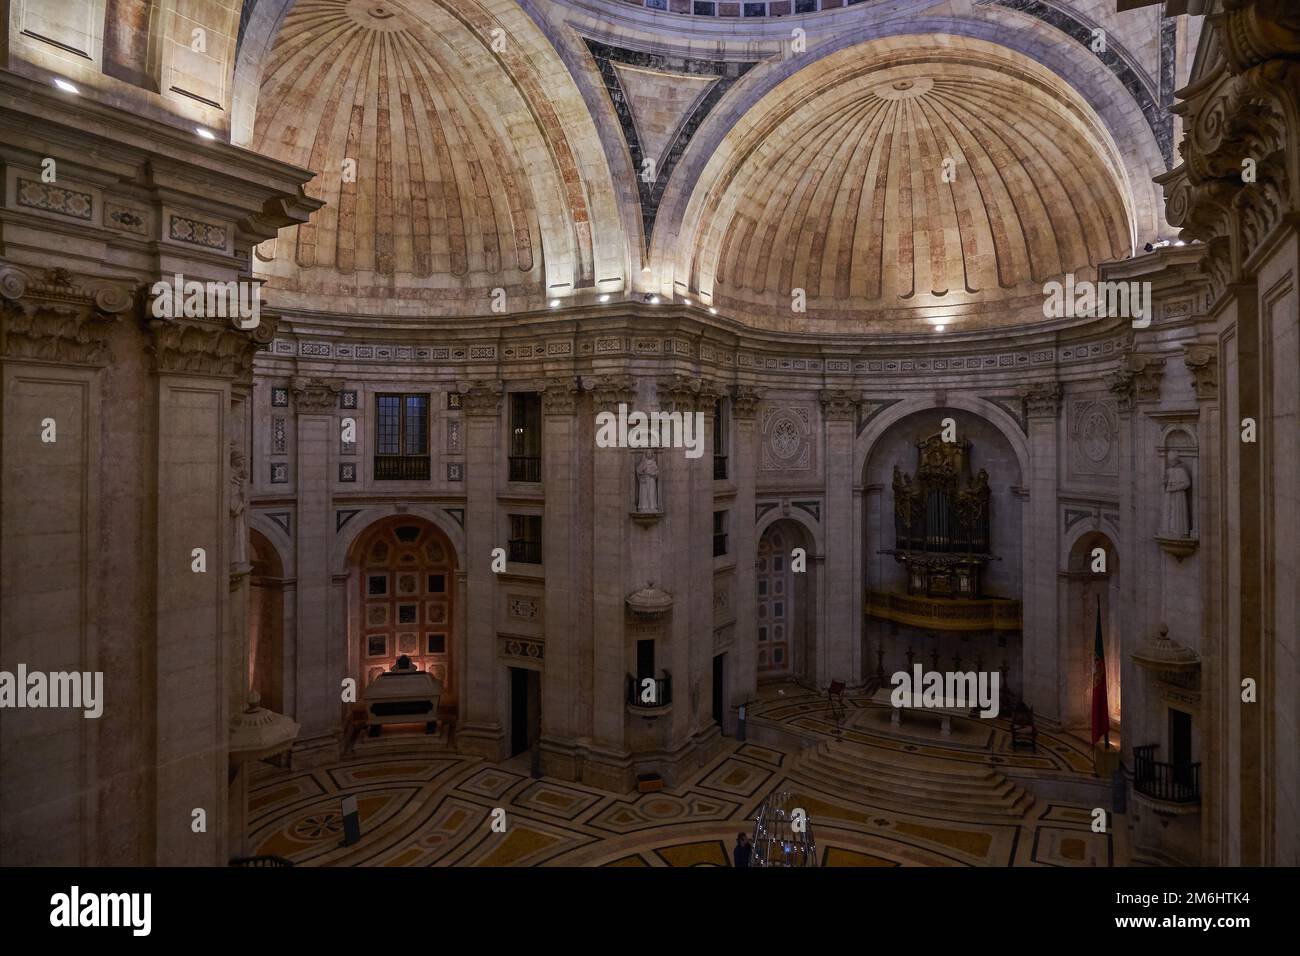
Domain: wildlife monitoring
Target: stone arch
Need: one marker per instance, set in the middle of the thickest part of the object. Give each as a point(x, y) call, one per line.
point(402, 599)
point(347, 537)
point(789, 604)
point(276, 536)
point(1082, 590)
point(815, 534)
point(266, 622)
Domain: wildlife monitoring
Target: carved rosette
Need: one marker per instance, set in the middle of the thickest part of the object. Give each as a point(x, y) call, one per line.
point(315, 396)
point(1041, 399)
point(840, 405)
point(560, 396)
point(55, 317)
point(481, 398)
point(1203, 362)
point(745, 401)
point(607, 391)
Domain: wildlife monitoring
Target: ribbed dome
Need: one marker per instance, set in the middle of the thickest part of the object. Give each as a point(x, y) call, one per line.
point(447, 165)
point(835, 184)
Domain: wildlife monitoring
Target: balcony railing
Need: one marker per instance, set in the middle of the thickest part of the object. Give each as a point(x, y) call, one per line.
point(401, 468)
point(637, 691)
point(525, 468)
point(1168, 782)
point(719, 467)
point(525, 552)
point(719, 544)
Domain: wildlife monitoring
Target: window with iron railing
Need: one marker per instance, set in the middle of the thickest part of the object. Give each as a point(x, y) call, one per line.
point(525, 544)
point(401, 437)
point(658, 693)
point(525, 436)
point(719, 533)
point(721, 428)
point(1169, 782)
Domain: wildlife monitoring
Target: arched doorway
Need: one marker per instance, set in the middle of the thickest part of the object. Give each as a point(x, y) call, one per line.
point(266, 622)
point(782, 614)
point(405, 592)
point(1092, 581)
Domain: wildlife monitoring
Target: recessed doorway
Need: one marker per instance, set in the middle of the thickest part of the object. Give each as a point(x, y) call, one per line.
point(525, 709)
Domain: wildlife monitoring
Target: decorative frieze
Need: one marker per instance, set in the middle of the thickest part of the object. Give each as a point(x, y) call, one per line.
point(522, 648)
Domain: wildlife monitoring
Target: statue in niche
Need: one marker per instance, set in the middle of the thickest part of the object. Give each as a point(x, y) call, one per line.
point(647, 484)
point(1178, 481)
point(238, 506)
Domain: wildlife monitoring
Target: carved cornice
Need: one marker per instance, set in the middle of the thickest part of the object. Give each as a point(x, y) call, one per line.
point(607, 391)
point(840, 405)
point(315, 396)
point(1203, 362)
point(745, 401)
point(560, 396)
point(54, 317)
point(481, 398)
point(1041, 399)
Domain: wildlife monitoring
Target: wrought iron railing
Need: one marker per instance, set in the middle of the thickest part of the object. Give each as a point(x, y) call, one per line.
point(401, 468)
point(1170, 782)
point(525, 551)
point(719, 467)
point(523, 468)
point(641, 694)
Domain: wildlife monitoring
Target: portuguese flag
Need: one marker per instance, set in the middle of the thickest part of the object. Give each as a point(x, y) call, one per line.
point(1100, 706)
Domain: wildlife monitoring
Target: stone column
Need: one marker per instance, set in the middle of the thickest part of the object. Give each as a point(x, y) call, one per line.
point(743, 656)
point(482, 729)
point(839, 644)
point(1041, 631)
point(561, 516)
point(319, 684)
point(608, 763)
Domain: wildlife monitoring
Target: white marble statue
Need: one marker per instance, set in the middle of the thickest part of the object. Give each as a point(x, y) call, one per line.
point(238, 507)
point(647, 484)
point(1178, 519)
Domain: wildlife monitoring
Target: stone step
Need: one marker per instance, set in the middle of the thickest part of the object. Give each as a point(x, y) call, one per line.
point(958, 808)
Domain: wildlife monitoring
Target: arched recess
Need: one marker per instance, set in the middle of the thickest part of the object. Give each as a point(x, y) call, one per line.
point(940, 629)
point(402, 600)
point(266, 623)
point(1089, 581)
point(788, 603)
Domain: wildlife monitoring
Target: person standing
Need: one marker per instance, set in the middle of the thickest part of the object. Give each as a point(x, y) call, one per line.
point(740, 855)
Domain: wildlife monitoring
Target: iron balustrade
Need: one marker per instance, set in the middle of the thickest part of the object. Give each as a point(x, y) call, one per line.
point(663, 691)
point(401, 467)
point(525, 551)
point(1172, 783)
point(524, 468)
point(719, 467)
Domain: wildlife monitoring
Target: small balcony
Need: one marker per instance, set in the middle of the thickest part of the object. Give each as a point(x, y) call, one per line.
point(719, 467)
point(1178, 785)
point(525, 468)
point(660, 695)
point(524, 551)
point(401, 468)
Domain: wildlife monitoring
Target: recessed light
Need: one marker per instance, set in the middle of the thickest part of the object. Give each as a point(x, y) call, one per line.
point(605, 297)
point(555, 303)
point(712, 311)
point(940, 328)
point(654, 300)
point(204, 133)
point(65, 86)
point(645, 271)
point(688, 301)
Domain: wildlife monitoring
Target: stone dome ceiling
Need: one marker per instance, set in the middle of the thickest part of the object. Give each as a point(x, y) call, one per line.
point(834, 184)
point(455, 156)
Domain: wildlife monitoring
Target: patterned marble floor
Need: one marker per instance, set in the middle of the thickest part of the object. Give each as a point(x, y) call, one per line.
point(420, 807)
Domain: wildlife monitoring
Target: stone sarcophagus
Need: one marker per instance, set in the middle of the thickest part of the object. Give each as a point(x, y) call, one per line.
point(403, 695)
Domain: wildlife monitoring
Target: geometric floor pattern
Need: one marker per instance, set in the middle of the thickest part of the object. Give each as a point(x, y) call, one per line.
point(420, 807)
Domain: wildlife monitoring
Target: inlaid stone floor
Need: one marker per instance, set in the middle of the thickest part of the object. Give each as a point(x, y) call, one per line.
point(876, 795)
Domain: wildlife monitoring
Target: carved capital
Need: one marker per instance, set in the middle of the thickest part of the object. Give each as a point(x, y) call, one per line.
point(745, 401)
point(840, 404)
point(681, 393)
point(1041, 399)
point(607, 391)
point(315, 396)
point(1203, 362)
point(481, 398)
point(560, 396)
point(55, 317)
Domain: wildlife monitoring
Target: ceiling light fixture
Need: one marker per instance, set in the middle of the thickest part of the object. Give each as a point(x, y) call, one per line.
point(65, 86)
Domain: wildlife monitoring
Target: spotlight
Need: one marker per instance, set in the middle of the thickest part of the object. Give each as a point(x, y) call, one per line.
point(555, 303)
point(688, 302)
point(712, 311)
point(204, 133)
point(65, 86)
point(654, 300)
point(604, 298)
point(940, 328)
point(645, 271)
